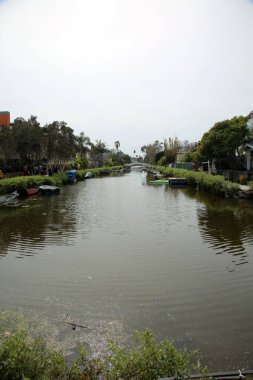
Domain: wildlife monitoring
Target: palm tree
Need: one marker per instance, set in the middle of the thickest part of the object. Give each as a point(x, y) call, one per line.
point(83, 144)
point(117, 144)
point(99, 148)
point(143, 148)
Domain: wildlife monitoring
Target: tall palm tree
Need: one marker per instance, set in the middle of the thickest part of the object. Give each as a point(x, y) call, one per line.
point(117, 144)
point(83, 144)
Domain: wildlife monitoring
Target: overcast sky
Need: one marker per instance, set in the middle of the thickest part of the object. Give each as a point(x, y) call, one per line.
point(129, 70)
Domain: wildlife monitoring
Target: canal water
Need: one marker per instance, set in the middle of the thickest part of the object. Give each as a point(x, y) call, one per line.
point(117, 255)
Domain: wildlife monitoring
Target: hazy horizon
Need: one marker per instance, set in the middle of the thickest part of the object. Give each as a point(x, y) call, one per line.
point(133, 71)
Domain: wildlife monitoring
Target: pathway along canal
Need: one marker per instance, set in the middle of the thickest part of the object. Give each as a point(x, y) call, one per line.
point(117, 255)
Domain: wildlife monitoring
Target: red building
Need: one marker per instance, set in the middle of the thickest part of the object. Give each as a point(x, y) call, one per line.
point(4, 119)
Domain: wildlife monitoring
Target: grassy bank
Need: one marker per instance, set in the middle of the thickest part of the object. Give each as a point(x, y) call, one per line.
point(215, 184)
point(25, 355)
point(21, 183)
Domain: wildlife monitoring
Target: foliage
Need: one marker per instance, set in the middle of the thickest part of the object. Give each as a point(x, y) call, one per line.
point(98, 150)
point(203, 181)
point(83, 144)
point(81, 162)
point(162, 160)
point(223, 141)
point(250, 183)
point(22, 183)
point(147, 359)
point(151, 151)
point(98, 171)
point(192, 156)
point(26, 355)
point(156, 152)
point(119, 158)
point(60, 143)
point(171, 149)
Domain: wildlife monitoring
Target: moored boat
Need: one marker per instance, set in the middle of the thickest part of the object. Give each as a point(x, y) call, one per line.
point(8, 198)
point(175, 181)
point(71, 176)
point(88, 175)
point(32, 191)
point(47, 189)
point(159, 182)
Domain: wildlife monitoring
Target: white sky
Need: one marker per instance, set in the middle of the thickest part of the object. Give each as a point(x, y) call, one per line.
point(129, 70)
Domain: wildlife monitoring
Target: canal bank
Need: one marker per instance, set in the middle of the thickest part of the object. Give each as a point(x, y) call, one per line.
point(213, 184)
point(22, 183)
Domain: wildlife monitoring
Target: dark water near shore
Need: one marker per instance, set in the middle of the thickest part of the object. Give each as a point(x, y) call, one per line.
point(117, 255)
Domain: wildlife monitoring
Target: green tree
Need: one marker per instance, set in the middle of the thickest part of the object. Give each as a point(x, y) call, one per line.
point(7, 144)
point(67, 143)
point(223, 143)
point(83, 144)
point(51, 134)
point(119, 158)
point(151, 151)
point(28, 139)
point(171, 149)
point(98, 150)
point(60, 142)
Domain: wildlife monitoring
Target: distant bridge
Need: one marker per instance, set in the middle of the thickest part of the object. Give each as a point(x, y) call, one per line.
point(135, 163)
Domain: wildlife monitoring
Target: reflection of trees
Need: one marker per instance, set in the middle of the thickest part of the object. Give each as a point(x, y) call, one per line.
point(226, 225)
point(27, 229)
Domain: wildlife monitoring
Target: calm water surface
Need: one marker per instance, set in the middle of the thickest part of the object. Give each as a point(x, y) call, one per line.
point(117, 255)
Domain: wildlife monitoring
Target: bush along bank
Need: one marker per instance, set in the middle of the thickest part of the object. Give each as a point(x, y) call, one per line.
point(26, 355)
point(21, 183)
point(215, 184)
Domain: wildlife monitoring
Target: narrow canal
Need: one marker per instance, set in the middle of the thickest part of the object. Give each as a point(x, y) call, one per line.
point(117, 255)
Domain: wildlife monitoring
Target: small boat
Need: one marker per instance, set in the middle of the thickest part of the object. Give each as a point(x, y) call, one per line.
point(47, 189)
point(175, 181)
point(71, 176)
point(89, 175)
point(159, 182)
point(8, 198)
point(32, 191)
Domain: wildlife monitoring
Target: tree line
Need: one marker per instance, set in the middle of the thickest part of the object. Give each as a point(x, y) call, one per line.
point(224, 143)
point(27, 143)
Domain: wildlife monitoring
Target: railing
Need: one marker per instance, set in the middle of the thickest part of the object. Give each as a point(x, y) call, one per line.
point(229, 375)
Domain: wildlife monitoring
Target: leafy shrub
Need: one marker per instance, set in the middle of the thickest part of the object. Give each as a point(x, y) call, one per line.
point(24, 356)
point(21, 183)
point(250, 183)
point(215, 184)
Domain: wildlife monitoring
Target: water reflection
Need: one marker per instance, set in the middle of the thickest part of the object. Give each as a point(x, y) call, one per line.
point(35, 222)
point(227, 226)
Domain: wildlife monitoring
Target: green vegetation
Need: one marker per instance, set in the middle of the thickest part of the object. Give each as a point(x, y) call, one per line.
point(203, 181)
point(22, 183)
point(223, 143)
point(27, 144)
point(27, 356)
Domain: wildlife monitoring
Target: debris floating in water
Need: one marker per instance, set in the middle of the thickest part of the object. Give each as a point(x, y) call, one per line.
point(74, 325)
